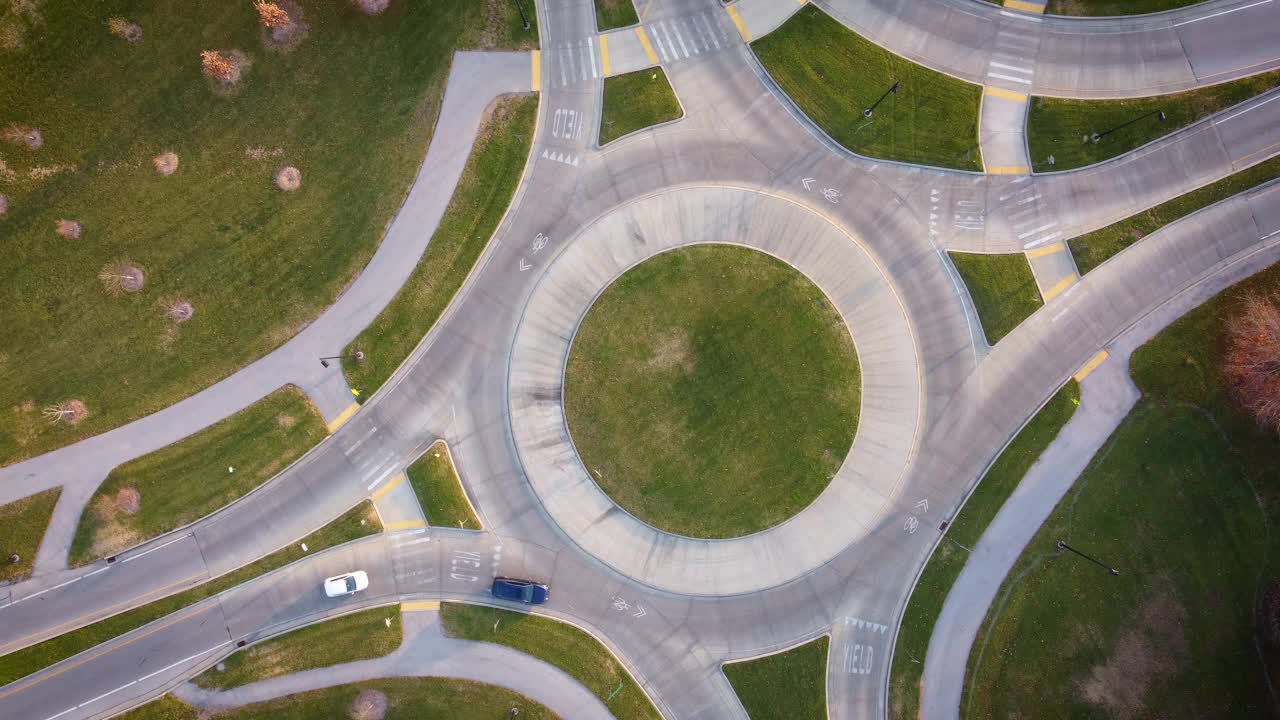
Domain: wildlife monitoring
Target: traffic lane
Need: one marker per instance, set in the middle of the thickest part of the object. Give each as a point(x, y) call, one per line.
point(1121, 62)
point(1232, 42)
point(88, 683)
point(1251, 132)
point(1265, 206)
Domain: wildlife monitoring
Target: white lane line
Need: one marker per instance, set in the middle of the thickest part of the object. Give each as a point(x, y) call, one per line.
point(1273, 232)
point(1254, 107)
point(1030, 18)
point(564, 80)
point(1041, 241)
point(711, 31)
point(586, 52)
point(1010, 78)
point(1042, 228)
point(160, 547)
point(183, 660)
point(1022, 179)
point(591, 53)
point(1031, 199)
point(1014, 68)
point(64, 712)
point(55, 587)
point(675, 51)
point(360, 441)
point(99, 570)
point(696, 34)
point(111, 692)
point(660, 30)
point(1222, 12)
point(657, 38)
point(675, 27)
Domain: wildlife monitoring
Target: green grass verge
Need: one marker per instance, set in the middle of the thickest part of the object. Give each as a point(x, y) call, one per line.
point(787, 686)
point(356, 523)
point(966, 528)
point(833, 74)
point(1181, 499)
point(1003, 289)
point(1059, 126)
point(612, 14)
point(362, 635)
point(353, 107)
point(191, 478)
point(407, 699)
point(637, 100)
point(559, 644)
point(439, 490)
point(22, 526)
point(1099, 8)
point(483, 193)
point(1093, 249)
point(712, 391)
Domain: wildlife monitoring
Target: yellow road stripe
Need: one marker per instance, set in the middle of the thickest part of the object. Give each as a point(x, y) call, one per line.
point(418, 605)
point(737, 20)
point(537, 69)
point(1024, 6)
point(648, 49)
point(1006, 94)
point(1058, 289)
point(604, 54)
point(391, 485)
point(1047, 250)
point(1007, 170)
point(75, 665)
point(404, 525)
point(101, 613)
point(1256, 152)
point(1092, 365)
point(343, 417)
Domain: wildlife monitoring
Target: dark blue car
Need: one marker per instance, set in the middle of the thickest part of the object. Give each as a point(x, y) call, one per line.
point(529, 593)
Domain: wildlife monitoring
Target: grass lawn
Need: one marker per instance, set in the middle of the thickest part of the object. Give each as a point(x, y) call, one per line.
point(1181, 500)
point(787, 686)
point(22, 525)
point(557, 643)
point(712, 391)
point(356, 523)
point(1058, 126)
point(612, 14)
point(1002, 287)
point(1114, 7)
point(966, 528)
point(1093, 249)
point(358, 636)
point(353, 107)
point(189, 479)
point(406, 698)
point(484, 191)
point(439, 491)
point(637, 100)
point(833, 74)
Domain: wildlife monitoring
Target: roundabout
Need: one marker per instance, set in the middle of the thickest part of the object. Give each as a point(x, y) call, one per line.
point(712, 391)
point(640, 232)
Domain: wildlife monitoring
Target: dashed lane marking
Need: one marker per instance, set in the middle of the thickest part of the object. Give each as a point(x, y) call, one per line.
point(1050, 250)
point(343, 417)
point(1092, 365)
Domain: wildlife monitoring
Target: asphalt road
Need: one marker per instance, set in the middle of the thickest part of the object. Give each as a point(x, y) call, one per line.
point(739, 166)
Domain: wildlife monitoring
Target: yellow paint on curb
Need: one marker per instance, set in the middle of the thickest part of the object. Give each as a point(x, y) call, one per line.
point(1091, 365)
point(1024, 6)
point(1058, 289)
point(404, 525)
point(419, 605)
point(604, 54)
point(1046, 250)
point(391, 485)
point(537, 69)
point(1007, 170)
point(1006, 94)
point(343, 417)
point(648, 48)
point(737, 20)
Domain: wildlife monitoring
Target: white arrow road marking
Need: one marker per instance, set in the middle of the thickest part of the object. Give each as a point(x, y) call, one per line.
point(524, 265)
point(807, 183)
point(640, 614)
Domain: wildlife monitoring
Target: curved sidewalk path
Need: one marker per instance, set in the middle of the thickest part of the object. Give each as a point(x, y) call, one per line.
point(425, 652)
point(1107, 396)
point(475, 80)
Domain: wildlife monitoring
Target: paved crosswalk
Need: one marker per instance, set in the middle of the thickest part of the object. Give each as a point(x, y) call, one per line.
point(681, 38)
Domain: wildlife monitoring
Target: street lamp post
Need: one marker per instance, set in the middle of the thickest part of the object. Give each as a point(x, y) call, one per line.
point(1158, 114)
point(358, 355)
point(523, 17)
point(1062, 545)
point(894, 90)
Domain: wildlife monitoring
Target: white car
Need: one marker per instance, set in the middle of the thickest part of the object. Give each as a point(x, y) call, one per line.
point(349, 584)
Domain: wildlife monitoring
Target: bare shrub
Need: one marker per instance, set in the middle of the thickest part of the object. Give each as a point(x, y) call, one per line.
point(66, 413)
point(122, 277)
point(271, 15)
point(369, 705)
point(288, 178)
point(124, 29)
point(69, 229)
point(283, 27)
point(371, 7)
point(29, 137)
point(166, 163)
point(1252, 362)
point(224, 68)
point(128, 500)
point(179, 310)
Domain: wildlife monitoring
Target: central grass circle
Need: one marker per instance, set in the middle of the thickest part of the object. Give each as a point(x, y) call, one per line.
point(712, 391)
